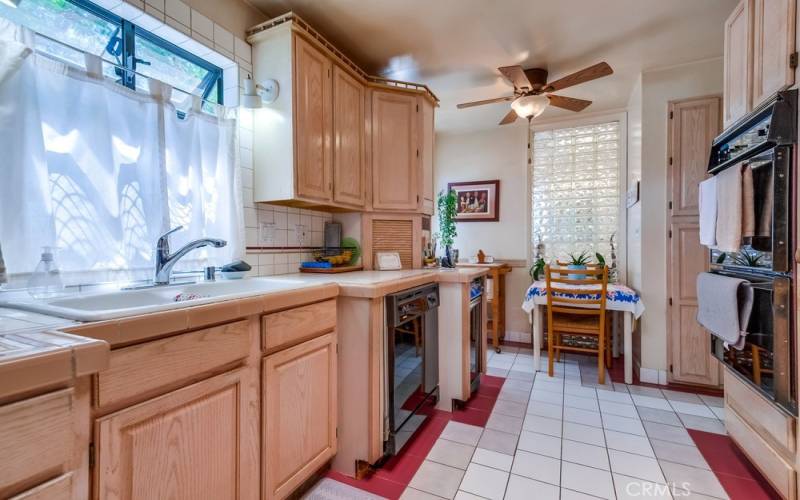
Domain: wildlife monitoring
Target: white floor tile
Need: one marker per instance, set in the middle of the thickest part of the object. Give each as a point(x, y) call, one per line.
point(413, 494)
point(686, 397)
point(585, 417)
point(668, 433)
point(616, 397)
point(547, 396)
point(621, 409)
point(631, 443)
point(493, 459)
point(437, 479)
point(539, 467)
point(719, 412)
point(485, 482)
point(505, 423)
point(540, 443)
point(679, 453)
point(713, 401)
point(661, 416)
point(499, 441)
point(581, 402)
point(544, 409)
point(523, 488)
point(699, 409)
point(513, 395)
point(651, 402)
point(585, 454)
point(451, 453)
point(542, 425)
point(509, 408)
point(575, 495)
point(693, 479)
point(635, 466)
point(463, 495)
point(632, 488)
point(519, 385)
point(623, 424)
point(584, 434)
point(587, 480)
point(703, 423)
point(462, 433)
point(579, 390)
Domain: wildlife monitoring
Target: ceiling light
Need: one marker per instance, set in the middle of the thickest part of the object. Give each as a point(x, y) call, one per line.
point(254, 94)
point(530, 106)
point(11, 3)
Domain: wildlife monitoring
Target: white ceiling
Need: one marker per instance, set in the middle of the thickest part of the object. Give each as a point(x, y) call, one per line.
point(455, 46)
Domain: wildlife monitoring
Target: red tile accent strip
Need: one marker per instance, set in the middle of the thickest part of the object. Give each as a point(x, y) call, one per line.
point(740, 478)
point(392, 479)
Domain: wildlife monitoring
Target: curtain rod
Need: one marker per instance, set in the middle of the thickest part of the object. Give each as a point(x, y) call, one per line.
point(122, 68)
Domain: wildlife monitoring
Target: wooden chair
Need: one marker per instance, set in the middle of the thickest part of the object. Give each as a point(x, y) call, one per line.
point(584, 315)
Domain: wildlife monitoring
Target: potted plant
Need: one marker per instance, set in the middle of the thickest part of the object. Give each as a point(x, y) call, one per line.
point(537, 269)
point(577, 262)
point(446, 203)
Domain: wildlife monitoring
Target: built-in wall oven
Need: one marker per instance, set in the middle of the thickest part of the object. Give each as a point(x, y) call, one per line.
point(764, 141)
point(476, 322)
point(411, 361)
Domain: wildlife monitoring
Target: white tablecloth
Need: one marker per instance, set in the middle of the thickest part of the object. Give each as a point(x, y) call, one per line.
point(619, 297)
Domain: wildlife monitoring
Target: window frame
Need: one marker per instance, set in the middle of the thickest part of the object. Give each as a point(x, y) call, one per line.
point(128, 33)
point(620, 116)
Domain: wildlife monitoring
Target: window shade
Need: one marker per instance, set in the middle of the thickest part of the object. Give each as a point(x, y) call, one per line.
point(575, 189)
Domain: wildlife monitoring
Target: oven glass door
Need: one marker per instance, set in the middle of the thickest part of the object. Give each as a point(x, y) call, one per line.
point(409, 373)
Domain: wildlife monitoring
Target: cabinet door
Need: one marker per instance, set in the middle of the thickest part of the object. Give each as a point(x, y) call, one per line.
point(349, 175)
point(312, 121)
point(195, 442)
point(738, 63)
point(427, 155)
point(300, 410)
point(773, 45)
point(395, 153)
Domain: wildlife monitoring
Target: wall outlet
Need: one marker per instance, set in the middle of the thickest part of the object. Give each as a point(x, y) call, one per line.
point(266, 233)
point(300, 234)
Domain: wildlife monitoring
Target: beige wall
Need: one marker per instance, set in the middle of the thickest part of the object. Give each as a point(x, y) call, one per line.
point(657, 89)
point(495, 153)
point(236, 16)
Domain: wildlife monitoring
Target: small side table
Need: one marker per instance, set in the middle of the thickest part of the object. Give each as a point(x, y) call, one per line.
point(497, 303)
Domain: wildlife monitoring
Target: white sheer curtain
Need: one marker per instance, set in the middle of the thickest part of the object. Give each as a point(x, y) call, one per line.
point(99, 171)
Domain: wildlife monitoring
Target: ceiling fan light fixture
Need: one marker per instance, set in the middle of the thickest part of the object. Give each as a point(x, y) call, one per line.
point(530, 106)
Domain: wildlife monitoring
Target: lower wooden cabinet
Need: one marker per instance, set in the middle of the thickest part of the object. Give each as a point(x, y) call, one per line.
point(195, 442)
point(300, 410)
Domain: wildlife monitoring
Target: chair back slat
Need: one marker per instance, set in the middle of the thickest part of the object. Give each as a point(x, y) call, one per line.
point(593, 285)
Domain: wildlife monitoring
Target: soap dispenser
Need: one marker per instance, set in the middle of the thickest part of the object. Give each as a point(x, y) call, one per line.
point(45, 282)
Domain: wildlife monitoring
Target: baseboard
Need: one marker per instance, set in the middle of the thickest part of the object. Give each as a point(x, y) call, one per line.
point(514, 336)
point(652, 375)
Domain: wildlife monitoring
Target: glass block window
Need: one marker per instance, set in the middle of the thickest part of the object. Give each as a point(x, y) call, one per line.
point(575, 190)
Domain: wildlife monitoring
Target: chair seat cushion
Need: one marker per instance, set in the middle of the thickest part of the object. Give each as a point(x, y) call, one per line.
point(578, 323)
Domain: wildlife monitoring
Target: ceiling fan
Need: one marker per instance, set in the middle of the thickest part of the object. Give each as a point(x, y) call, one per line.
point(532, 93)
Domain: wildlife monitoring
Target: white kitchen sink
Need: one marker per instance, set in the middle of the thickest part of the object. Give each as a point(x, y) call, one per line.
point(100, 306)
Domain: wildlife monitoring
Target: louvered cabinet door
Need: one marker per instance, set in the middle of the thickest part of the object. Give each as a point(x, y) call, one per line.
point(312, 121)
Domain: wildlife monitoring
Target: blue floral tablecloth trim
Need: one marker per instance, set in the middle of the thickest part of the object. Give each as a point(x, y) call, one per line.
point(619, 297)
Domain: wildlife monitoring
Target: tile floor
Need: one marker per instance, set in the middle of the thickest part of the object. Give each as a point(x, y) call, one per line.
point(566, 437)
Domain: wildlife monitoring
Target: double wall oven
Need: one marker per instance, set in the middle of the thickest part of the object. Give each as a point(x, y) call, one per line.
point(764, 141)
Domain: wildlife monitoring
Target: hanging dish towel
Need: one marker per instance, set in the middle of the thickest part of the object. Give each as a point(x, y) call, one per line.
point(724, 305)
point(729, 209)
point(708, 212)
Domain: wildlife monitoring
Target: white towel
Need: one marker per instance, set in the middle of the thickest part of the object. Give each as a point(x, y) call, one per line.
point(748, 204)
point(12, 55)
point(708, 212)
point(724, 305)
point(729, 209)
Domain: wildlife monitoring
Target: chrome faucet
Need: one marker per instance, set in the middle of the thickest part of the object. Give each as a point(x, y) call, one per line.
point(166, 260)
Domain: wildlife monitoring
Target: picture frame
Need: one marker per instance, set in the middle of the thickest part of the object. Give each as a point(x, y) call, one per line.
point(477, 201)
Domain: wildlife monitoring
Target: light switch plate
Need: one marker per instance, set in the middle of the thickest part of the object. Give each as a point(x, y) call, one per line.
point(266, 233)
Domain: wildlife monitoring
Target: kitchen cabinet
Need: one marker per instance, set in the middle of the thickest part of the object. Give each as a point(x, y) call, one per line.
point(427, 141)
point(759, 54)
point(349, 170)
point(395, 151)
point(189, 443)
point(300, 413)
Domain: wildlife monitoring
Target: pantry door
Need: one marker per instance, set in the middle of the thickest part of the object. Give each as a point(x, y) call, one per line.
point(693, 124)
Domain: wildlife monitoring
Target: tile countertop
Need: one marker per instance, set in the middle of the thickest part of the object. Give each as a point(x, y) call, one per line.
point(37, 350)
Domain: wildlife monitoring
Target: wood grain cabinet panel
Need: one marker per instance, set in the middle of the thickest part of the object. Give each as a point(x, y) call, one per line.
point(428, 134)
point(773, 45)
point(300, 414)
point(349, 172)
point(395, 151)
point(37, 440)
point(312, 121)
point(141, 369)
point(59, 488)
point(192, 443)
point(286, 328)
point(738, 63)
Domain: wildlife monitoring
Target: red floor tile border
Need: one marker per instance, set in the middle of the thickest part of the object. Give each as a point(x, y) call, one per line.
point(392, 479)
point(741, 480)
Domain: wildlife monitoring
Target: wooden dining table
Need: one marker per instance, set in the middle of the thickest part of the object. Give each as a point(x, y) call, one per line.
point(618, 298)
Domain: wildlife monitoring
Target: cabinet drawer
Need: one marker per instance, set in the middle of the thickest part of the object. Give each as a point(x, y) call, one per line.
point(779, 473)
point(36, 437)
point(55, 489)
point(144, 368)
point(293, 326)
point(766, 419)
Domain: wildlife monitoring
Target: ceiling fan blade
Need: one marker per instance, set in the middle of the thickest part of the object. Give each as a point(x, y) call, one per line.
point(485, 101)
point(569, 103)
point(599, 70)
point(516, 75)
point(511, 117)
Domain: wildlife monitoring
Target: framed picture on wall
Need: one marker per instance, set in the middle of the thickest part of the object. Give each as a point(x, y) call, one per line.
point(477, 201)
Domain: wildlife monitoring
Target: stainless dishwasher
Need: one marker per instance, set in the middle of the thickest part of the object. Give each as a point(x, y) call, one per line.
point(412, 362)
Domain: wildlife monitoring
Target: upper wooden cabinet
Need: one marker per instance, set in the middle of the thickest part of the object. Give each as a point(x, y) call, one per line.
point(759, 54)
point(336, 138)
